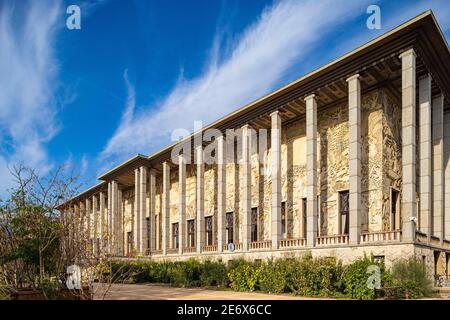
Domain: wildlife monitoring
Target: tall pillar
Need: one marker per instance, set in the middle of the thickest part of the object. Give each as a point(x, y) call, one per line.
point(165, 207)
point(76, 221)
point(109, 224)
point(102, 220)
point(87, 220)
point(182, 202)
point(114, 203)
point(136, 212)
point(438, 167)
point(354, 145)
point(408, 145)
point(221, 192)
point(276, 179)
point(143, 236)
point(82, 225)
point(152, 182)
point(447, 175)
point(311, 170)
point(94, 224)
point(200, 198)
point(246, 187)
point(119, 225)
point(425, 159)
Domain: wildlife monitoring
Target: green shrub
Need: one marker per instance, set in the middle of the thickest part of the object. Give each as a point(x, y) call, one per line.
point(315, 277)
point(273, 276)
point(186, 274)
point(213, 274)
point(162, 272)
point(356, 278)
point(244, 276)
point(410, 279)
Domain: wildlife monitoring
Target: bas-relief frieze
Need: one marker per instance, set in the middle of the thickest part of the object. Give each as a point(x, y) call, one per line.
point(380, 169)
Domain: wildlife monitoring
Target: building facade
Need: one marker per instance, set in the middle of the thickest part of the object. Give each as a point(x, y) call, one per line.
point(352, 158)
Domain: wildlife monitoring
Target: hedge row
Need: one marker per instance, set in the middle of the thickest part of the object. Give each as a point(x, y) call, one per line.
point(307, 276)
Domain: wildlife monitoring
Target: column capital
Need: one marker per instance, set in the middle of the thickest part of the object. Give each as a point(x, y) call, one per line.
point(275, 113)
point(407, 52)
point(353, 77)
point(309, 97)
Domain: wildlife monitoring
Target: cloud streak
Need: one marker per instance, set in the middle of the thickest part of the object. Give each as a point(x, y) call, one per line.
point(284, 34)
point(27, 81)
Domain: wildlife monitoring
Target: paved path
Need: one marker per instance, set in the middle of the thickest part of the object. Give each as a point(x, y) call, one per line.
point(164, 292)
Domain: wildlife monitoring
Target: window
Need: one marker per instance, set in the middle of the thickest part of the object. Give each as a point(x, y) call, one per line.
point(191, 233)
point(283, 219)
point(304, 211)
point(175, 235)
point(209, 231)
point(395, 217)
point(129, 242)
point(343, 212)
point(229, 226)
point(378, 259)
point(254, 225)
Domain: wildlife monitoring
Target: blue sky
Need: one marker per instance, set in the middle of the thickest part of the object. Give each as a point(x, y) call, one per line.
point(137, 70)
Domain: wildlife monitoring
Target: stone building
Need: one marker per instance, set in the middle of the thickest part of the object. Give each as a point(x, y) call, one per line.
point(357, 161)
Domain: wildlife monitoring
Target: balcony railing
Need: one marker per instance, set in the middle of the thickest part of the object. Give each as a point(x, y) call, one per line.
point(189, 249)
point(332, 240)
point(258, 245)
point(292, 243)
point(211, 248)
point(381, 236)
point(157, 252)
point(237, 247)
point(172, 250)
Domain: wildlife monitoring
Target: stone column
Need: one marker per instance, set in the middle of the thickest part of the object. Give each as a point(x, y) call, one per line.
point(109, 224)
point(221, 192)
point(182, 201)
point(152, 211)
point(311, 170)
point(102, 220)
point(114, 245)
point(200, 198)
point(276, 179)
point(95, 219)
point(354, 145)
point(119, 224)
point(143, 236)
point(425, 179)
point(87, 220)
point(438, 167)
point(447, 175)
point(76, 221)
point(136, 212)
point(408, 145)
point(246, 188)
point(82, 225)
point(165, 207)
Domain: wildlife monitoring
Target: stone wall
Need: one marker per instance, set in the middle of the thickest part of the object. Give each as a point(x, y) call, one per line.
point(381, 170)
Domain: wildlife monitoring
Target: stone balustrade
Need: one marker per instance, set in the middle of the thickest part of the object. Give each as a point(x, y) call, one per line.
point(292, 243)
point(258, 245)
point(332, 240)
point(211, 248)
point(189, 249)
point(381, 236)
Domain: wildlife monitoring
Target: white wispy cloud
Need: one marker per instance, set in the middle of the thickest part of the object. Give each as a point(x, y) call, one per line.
point(27, 84)
point(283, 34)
